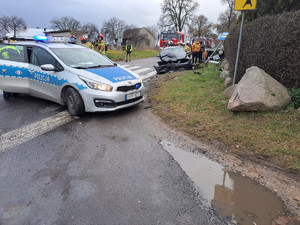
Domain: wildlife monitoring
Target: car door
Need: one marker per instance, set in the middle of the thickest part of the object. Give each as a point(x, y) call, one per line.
point(44, 84)
point(13, 69)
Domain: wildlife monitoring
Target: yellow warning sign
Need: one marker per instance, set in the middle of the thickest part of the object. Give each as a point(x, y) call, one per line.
point(244, 5)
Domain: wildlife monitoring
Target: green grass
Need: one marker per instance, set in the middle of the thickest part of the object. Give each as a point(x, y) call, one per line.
point(198, 106)
point(115, 55)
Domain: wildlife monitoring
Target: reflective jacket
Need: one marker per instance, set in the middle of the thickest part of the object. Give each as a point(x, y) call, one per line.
point(129, 48)
point(89, 45)
point(101, 47)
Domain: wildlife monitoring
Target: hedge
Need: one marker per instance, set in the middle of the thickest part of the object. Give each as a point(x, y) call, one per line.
point(272, 43)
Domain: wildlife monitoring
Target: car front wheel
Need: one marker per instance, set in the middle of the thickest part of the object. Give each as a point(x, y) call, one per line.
point(6, 95)
point(74, 102)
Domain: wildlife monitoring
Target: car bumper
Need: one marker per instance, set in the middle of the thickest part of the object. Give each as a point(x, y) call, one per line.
point(98, 101)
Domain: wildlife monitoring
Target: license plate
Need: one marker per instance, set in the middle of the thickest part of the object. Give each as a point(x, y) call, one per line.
point(132, 95)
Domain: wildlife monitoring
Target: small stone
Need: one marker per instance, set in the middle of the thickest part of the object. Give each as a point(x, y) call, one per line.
point(297, 198)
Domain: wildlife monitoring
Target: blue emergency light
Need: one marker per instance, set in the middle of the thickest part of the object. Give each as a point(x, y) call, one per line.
point(40, 38)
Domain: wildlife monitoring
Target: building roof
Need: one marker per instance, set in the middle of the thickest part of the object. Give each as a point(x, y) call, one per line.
point(29, 33)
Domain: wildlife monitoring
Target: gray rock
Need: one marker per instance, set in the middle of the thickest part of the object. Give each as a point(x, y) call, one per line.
point(228, 82)
point(226, 67)
point(258, 91)
point(229, 91)
point(224, 74)
point(225, 61)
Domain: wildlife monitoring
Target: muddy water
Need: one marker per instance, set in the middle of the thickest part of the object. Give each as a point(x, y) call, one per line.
point(237, 200)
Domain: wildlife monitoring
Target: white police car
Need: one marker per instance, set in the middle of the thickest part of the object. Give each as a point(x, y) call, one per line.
point(69, 74)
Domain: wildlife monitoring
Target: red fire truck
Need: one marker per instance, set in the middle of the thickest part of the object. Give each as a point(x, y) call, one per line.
point(167, 36)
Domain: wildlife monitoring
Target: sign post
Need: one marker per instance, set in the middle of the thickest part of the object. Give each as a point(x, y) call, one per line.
point(120, 39)
point(241, 5)
point(222, 37)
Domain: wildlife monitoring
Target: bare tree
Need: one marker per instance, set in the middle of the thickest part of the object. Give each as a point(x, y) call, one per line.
point(111, 28)
point(177, 13)
point(200, 26)
point(225, 20)
point(153, 30)
point(92, 30)
point(65, 23)
point(229, 16)
point(12, 24)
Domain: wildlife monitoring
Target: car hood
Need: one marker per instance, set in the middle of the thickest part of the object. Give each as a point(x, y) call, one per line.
point(172, 56)
point(106, 75)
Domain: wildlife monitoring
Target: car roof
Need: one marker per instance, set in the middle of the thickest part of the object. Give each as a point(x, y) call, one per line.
point(48, 44)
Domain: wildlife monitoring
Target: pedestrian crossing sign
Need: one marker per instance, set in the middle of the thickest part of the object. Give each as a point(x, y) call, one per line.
point(240, 5)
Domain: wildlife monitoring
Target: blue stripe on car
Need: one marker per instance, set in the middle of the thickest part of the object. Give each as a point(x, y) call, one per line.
point(21, 72)
point(113, 74)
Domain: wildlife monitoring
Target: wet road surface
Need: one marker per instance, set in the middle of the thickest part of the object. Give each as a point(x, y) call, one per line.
point(99, 169)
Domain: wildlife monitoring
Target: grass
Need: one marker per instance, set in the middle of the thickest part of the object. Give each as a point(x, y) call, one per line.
point(196, 105)
point(115, 55)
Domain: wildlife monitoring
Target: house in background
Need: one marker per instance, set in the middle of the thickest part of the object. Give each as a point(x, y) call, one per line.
point(28, 34)
point(67, 33)
point(139, 37)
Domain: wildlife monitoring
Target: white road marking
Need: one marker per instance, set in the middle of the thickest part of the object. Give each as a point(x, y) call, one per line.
point(125, 65)
point(142, 70)
point(133, 68)
point(28, 132)
point(148, 75)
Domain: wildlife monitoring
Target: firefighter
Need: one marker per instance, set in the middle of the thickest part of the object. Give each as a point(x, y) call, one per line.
point(196, 51)
point(187, 50)
point(86, 43)
point(100, 44)
point(72, 38)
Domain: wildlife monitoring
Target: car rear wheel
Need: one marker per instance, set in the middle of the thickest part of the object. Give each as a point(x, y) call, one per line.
point(74, 102)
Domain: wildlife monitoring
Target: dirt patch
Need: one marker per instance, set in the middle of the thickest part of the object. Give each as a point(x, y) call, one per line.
point(284, 184)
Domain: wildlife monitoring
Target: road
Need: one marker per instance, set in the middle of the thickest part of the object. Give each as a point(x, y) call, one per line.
point(103, 168)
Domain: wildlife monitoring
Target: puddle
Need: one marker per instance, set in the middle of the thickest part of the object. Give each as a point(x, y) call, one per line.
point(237, 200)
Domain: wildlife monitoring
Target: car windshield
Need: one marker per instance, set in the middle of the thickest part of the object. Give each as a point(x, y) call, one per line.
point(172, 49)
point(82, 58)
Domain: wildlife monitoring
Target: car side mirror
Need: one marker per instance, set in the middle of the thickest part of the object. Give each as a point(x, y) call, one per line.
point(48, 67)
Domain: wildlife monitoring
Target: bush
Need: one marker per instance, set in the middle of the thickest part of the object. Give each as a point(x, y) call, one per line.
point(272, 43)
point(295, 97)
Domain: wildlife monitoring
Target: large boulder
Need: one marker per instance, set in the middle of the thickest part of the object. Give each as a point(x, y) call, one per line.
point(258, 91)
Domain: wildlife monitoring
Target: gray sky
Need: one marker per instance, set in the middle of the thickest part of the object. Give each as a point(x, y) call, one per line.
point(38, 13)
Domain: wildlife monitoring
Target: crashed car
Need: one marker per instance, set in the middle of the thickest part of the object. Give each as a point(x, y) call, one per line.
point(172, 59)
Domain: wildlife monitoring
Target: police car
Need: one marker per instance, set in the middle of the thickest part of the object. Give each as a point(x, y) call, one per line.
point(69, 74)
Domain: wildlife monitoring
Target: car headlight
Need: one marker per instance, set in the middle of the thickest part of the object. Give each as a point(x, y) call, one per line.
point(96, 85)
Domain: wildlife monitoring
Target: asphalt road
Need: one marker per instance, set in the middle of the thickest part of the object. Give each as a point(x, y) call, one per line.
point(103, 168)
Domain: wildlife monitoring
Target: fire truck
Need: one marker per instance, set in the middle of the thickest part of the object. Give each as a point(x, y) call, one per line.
point(175, 37)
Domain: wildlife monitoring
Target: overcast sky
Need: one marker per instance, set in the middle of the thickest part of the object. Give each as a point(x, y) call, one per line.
point(38, 13)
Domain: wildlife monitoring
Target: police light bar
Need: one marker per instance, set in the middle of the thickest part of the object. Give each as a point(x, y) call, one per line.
point(50, 39)
point(40, 38)
point(56, 39)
